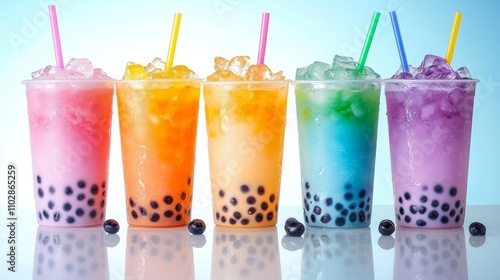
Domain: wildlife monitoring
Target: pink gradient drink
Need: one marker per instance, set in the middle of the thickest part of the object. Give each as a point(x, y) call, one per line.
point(429, 134)
point(69, 117)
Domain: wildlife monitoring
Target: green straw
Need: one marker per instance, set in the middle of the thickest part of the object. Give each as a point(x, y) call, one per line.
point(368, 41)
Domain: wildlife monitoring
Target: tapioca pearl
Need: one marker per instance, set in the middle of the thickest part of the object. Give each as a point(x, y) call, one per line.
point(407, 219)
point(102, 216)
point(353, 217)
point(400, 199)
point(453, 191)
point(79, 212)
point(401, 210)
point(445, 207)
point(233, 201)
point(457, 204)
point(444, 219)
point(50, 204)
point(259, 217)
point(154, 204)
point(457, 219)
point(361, 204)
point(93, 214)
point(461, 211)
point(56, 216)
point(245, 221)
point(313, 218)
point(329, 201)
point(38, 179)
point(103, 203)
point(155, 217)
point(81, 184)
point(134, 214)
point(225, 209)
point(398, 217)
point(435, 203)
point(339, 206)
point(367, 207)
point(91, 202)
point(352, 206)
point(348, 196)
point(325, 218)
point(70, 220)
point(308, 195)
point(232, 221)
point(103, 193)
point(178, 207)
point(421, 223)
point(237, 215)
point(40, 192)
point(438, 188)
point(407, 195)
point(221, 193)
point(423, 199)
point(307, 185)
point(94, 189)
point(67, 206)
point(305, 217)
point(362, 216)
point(251, 200)
point(344, 212)
point(68, 190)
point(244, 188)
point(340, 222)
point(170, 213)
point(422, 209)
point(223, 219)
point(270, 216)
point(413, 209)
point(251, 210)
point(168, 199)
point(264, 206)
point(272, 198)
point(317, 210)
point(183, 196)
point(433, 215)
point(316, 198)
point(453, 212)
point(80, 197)
point(45, 214)
point(261, 190)
point(143, 211)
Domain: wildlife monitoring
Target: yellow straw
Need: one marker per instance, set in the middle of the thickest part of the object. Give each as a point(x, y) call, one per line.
point(453, 37)
point(173, 41)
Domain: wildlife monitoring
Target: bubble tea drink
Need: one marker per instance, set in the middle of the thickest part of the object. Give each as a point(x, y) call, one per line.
point(69, 112)
point(429, 111)
point(337, 115)
point(158, 113)
point(245, 107)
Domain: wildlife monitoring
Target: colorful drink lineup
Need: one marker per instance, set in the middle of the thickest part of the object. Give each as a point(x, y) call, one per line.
point(429, 113)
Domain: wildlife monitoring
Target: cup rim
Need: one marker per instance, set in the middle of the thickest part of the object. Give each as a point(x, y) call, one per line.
point(353, 81)
point(205, 82)
point(432, 81)
point(70, 81)
point(173, 80)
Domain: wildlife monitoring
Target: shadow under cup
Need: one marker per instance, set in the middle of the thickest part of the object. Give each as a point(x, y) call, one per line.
point(245, 126)
point(337, 126)
point(429, 135)
point(158, 126)
point(70, 141)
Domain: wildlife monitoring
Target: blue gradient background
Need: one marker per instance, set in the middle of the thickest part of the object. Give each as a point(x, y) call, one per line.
point(111, 33)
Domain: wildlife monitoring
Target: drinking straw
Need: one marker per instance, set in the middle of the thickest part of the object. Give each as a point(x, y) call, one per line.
point(55, 36)
point(263, 38)
point(173, 41)
point(399, 42)
point(453, 37)
point(368, 41)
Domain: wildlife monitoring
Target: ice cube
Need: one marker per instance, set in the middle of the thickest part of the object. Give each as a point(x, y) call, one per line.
point(357, 110)
point(427, 111)
point(100, 74)
point(47, 73)
point(135, 71)
point(340, 73)
point(81, 66)
point(301, 73)
point(177, 72)
point(446, 105)
point(429, 60)
point(368, 74)
point(463, 73)
point(278, 75)
point(259, 72)
point(221, 63)
point(343, 62)
point(155, 66)
point(224, 75)
point(316, 71)
point(239, 65)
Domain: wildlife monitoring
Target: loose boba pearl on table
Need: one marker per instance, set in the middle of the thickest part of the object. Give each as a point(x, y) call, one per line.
point(197, 226)
point(111, 226)
point(477, 229)
point(386, 227)
point(294, 228)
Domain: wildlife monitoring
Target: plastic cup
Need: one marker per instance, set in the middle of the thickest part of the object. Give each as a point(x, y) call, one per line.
point(70, 137)
point(430, 254)
point(429, 136)
point(245, 127)
point(332, 253)
point(337, 126)
point(158, 125)
point(70, 253)
point(158, 253)
point(245, 253)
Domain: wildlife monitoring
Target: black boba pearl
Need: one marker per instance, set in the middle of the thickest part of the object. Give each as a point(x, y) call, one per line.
point(348, 196)
point(245, 221)
point(94, 189)
point(422, 209)
point(103, 203)
point(51, 205)
point(261, 190)
point(223, 219)
point(457, 204)
point(237, 215)
point(362, 193)
point(251, 200)
point(339, 206)
point(217, 215)
point(272, 198)
point(52, 190)
point(155, 218)
point(264, 206)
point(361, 204)
point(477, 229)
point(445, 207)
point(306, 218)
point(40, 192)
point(352, 206)
point(461, 211)
point(401, 210)
point(91, 202)
point(143, 211)
point(67, 206)
point(413, 209)
point(317, 210)
point(313, 218)
point(407, 196)
point(421, 223)
point(400, 199)
point(251, 210)
point(81, 184)
point(259, 217)
point(399, 217)
point(189, 181)
point(183, 195)
point(178, 217)
point(154, 204)
point(178, 207)
point(308, 195)
point(244, 188)
point(444, 220)
point(423, 199)
point(93, 214)
point(316, 198)
point(68, 190)
point(325, 218)
point(307, 207)
point(80, 197)
point(353, 217)
point(344, 212)
point(293, 227)
point(348, 186)
point(361, 216)
point(329, 201)
point(38, 179)
point(433, 215)
point(435, 203)
point(134, 214)
point(457, 219)
point(340, 222)
point(70, 220)
point(453, 191)
point(386, 227)
point(367, 208)
point(170, 213)
point(131, 202)
point(233, 201)
point(57, 216)
point(103, 185)
point(307, 185)
point(221, 193)
point(305, 201)
point(45, 214)
point(438, 188)
point(79, 212)
point(407, 219)
point(111, 226)
point(452, 212)
point(270, 216)
point(225, 209)
point(168, 199)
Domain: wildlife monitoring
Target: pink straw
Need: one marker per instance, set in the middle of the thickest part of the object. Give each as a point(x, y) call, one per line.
point(263, 38)
point(55, 36)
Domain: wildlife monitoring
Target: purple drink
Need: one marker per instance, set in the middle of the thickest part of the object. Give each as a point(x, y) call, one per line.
point(430, 116)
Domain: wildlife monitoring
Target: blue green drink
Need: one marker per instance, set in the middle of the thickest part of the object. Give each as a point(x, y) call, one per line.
point(337, 124)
